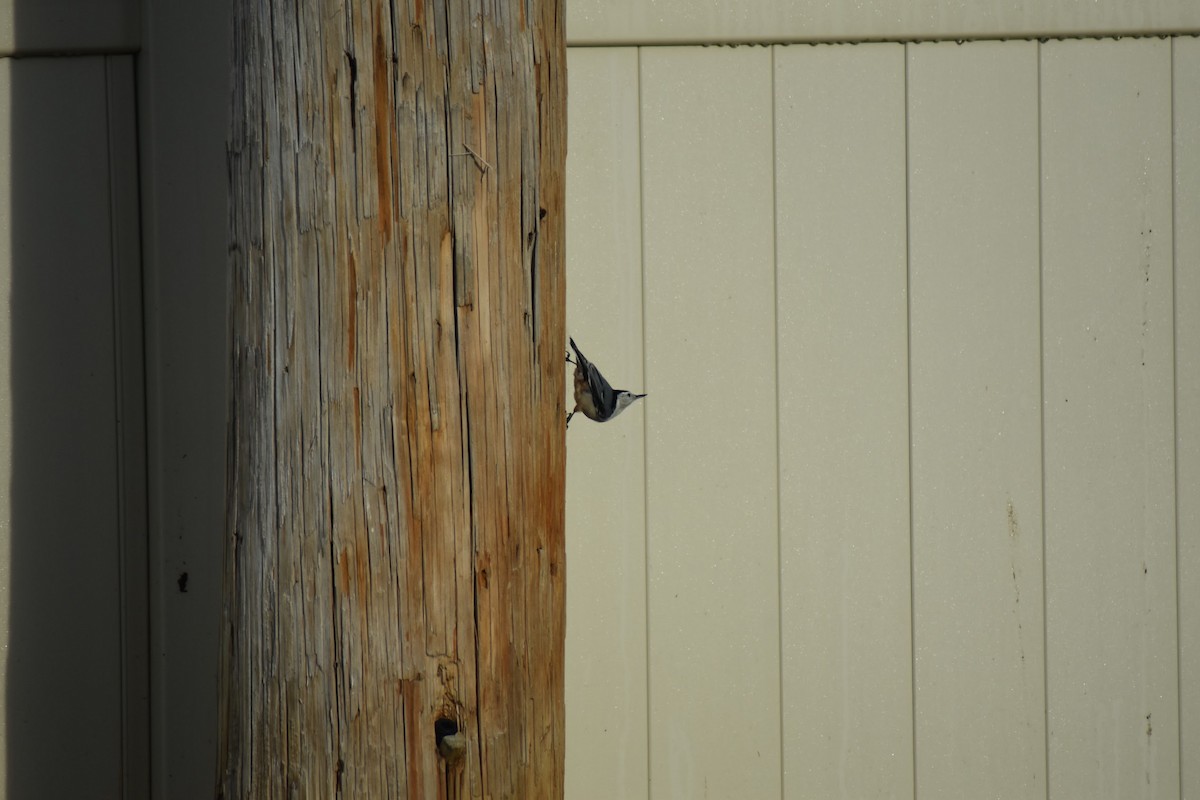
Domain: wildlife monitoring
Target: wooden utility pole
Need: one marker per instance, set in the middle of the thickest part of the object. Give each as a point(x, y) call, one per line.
point(395, 561)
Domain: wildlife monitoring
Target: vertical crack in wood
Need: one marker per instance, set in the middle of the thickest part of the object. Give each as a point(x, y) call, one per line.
point(352, 66)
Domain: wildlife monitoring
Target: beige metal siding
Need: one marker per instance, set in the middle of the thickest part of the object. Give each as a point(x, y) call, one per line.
point(606, 599)
point(838, 242)
point(634, 22)
point(1112, 680)
point(843, 421)
point(976, 423)
point(1186, 154)
point(712, 521)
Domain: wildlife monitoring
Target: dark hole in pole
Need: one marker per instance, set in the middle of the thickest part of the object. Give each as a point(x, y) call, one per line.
point(443, 727)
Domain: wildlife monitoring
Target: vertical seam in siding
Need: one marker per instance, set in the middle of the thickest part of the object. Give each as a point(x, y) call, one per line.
point(122, 436)
point(1175, 411)
point(645, 413)
point(1042, 435)
point(778, 481)
point(129, 346)
point(912, 617)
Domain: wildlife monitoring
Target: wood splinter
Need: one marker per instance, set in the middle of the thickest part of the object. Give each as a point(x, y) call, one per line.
point(483, 165)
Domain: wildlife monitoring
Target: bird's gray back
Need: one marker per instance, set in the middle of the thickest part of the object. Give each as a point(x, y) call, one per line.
point(601, 390)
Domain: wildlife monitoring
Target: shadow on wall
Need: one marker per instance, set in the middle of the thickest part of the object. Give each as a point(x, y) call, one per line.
point(97, 528)
point(183, 99)
point(66, 704)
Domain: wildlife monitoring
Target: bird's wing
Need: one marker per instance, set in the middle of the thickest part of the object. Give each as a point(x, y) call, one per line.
point(601, 390)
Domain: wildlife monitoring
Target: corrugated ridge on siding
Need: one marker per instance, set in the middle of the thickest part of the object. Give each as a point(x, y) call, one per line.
point(636, 22)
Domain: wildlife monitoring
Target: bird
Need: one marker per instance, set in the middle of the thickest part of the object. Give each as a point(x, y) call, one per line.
point(593, 394)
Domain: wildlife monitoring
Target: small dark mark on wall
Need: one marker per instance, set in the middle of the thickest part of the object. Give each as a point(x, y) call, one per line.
point(182, 581)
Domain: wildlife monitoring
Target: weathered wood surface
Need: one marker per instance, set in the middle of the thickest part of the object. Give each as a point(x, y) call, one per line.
point(395, 540)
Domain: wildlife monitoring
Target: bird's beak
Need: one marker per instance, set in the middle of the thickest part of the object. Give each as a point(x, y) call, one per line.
point(638, 396)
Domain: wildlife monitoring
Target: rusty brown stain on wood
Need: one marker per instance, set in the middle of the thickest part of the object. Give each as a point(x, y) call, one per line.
point(396, 446)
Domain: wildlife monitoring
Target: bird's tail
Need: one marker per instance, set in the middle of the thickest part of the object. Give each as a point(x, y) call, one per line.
point(578, 355)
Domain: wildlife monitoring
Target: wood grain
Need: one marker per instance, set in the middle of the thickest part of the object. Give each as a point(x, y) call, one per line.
point(396, 480)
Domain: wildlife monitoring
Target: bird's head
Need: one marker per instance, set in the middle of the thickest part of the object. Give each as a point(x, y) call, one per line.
point(624, 400)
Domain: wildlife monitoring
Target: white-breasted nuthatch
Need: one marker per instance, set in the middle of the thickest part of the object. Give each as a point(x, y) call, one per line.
point(593, 396)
